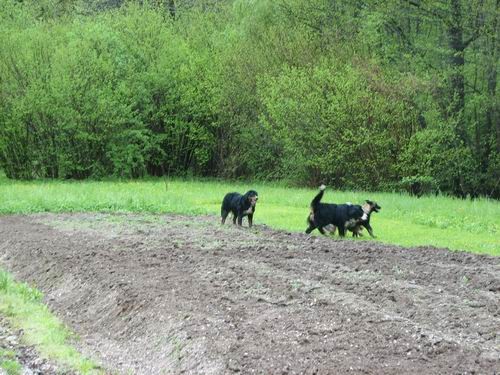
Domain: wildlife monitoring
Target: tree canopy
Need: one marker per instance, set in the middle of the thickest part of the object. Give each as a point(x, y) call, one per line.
point(365, 94)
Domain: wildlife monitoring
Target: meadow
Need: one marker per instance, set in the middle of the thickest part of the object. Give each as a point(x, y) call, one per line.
point(441, 221)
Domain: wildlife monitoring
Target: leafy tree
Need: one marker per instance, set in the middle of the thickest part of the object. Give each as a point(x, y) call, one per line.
point(360, 94)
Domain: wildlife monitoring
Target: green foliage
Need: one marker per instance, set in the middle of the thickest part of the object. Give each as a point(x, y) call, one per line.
point(23, 290)
point(11, 366)
point(362, 95)
point(436, 158)
point(334, 126)
point(94, 97)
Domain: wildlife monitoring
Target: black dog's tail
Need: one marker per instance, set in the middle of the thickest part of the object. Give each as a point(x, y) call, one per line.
point(317, 199)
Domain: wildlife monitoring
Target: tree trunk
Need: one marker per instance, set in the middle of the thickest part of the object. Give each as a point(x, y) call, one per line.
point(172, 8)
point(457, 62)
point(492, 115)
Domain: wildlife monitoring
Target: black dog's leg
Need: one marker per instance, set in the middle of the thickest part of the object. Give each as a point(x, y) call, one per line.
point(356, 231)
point(224, 214)
point(341, 231)
point(321, 230)
point(240, 220)
point(235, 216)
point(311, 225)
point(369, 229)
point(250, 220)
point(311, 228)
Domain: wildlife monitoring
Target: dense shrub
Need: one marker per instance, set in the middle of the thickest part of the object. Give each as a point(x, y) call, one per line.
point(434, 158)
point(110, 95)
point(333, 126)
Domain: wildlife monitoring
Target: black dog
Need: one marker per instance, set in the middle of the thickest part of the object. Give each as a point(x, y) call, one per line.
point(355, 226)
point(240, 206)
point(325, 214)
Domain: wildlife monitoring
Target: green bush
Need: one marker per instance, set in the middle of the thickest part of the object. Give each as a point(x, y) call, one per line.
point(435, 157)
point(333, 126)
point(104, 95)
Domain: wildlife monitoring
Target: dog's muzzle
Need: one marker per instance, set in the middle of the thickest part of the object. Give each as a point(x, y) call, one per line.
point(253, 200)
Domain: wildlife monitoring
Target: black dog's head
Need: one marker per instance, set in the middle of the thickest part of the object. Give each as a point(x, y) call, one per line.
point(251, 197)
point(356, 212)
point(371, 206)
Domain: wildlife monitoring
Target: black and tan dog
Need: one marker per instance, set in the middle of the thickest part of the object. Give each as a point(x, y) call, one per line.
point(355, 226)
point(240, 206)
point(326, 215)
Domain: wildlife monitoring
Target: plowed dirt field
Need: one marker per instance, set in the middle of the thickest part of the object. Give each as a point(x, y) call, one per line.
point(170, 294)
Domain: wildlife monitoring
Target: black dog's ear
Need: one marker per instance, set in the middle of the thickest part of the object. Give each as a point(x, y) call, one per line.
point(368, 201)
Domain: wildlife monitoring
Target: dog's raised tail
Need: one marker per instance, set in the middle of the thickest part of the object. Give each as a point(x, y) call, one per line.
point(317, 199)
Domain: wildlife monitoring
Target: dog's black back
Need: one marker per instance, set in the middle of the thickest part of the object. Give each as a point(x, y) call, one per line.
point(323, 214)
point(240, 206)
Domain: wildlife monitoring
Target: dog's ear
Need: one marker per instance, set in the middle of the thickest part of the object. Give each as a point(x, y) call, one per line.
point(369, 202)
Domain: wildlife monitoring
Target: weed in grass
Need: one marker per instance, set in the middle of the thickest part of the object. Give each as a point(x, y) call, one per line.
point(4, 280)
point(29, 294)
point(10, 366)
point(9, 363)
point(26, 292)
point(7, 354)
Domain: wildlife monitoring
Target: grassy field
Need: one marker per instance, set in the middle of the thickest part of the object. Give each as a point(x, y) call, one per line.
point(23, 308)
point(471, 225)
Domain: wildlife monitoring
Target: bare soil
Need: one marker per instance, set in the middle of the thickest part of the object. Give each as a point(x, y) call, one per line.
point(151, 294)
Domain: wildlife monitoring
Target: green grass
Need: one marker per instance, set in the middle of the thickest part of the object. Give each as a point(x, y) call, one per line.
point(23, 308)
point(471, 225)
point(9, 363)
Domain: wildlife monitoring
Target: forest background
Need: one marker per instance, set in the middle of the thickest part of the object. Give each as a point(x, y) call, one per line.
point(362, 95)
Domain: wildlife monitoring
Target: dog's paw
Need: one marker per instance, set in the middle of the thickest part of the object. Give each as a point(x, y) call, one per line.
point(322, 187)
